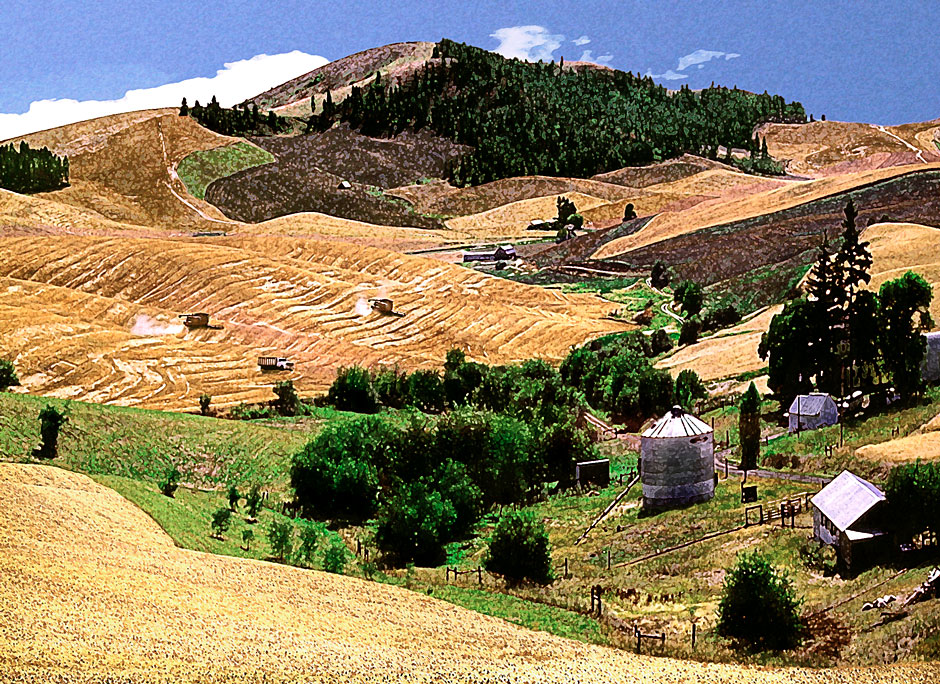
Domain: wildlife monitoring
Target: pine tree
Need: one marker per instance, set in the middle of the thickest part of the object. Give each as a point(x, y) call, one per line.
point(184, 108)
point(749, 428)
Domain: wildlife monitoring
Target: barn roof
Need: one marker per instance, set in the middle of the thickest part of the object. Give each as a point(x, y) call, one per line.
point(810, 404)
point(846, 499)
point(677, 423)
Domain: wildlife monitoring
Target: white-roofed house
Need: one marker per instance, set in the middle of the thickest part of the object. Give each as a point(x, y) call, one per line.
point(811, 411)
point(849, 514)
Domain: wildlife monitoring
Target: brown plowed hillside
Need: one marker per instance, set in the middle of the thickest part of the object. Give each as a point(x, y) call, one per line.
point(787, 197)
point(664, 172)
point(279, 296)
point(92, 590)
point(344, 72)
point(123, 168)
point(825, 148)
point(309, 169)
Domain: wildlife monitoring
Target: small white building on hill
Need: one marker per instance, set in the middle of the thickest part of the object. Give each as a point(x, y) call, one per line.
point(811, 411)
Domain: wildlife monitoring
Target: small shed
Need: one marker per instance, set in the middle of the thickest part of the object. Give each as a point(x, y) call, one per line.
point(592, 472)
point(344, 185)
point(930, 366)
point(812, 411)
point(849, 514)
point(501, 253)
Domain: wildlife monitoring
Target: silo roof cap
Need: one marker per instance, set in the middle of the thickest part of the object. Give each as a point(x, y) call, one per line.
point(677, 423)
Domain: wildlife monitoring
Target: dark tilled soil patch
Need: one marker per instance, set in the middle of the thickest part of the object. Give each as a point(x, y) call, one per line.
point(310, 168)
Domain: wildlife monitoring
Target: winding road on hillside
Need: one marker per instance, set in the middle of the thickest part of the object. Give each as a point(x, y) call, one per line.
point(920, 152)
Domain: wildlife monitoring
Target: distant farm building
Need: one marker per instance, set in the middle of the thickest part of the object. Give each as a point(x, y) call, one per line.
point(930, 368)
point(677, 461)
point(501, 253)
point(344, 185)
point(812, 411)
point(849, 515)
point(592, 473)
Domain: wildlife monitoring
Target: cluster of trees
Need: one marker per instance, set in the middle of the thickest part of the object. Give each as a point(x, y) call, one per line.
point(913, 492)
point(524, 119)
point(8, 376)
point(425, 481)
point(238, 121)
point(759, 162)
point(616, 375)
point(25, 170)
point(842, 337)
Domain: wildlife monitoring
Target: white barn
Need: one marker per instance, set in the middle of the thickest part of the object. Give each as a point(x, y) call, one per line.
point(811, 411)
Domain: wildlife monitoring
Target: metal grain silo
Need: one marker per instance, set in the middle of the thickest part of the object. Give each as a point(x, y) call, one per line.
point(677, 461)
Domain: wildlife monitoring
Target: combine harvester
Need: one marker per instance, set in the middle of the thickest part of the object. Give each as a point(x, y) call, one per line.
point(194, 321)
point(384, 306)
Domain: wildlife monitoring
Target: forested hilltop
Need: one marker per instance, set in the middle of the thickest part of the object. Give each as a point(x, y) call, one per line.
point(524, 119)
point(25, 170)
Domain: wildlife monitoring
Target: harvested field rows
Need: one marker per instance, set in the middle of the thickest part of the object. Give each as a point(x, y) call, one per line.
point(304, 299)
point(92, 590)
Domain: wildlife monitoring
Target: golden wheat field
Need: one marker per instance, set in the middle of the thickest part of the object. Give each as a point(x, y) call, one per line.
point(91, 590)
point(95, 318)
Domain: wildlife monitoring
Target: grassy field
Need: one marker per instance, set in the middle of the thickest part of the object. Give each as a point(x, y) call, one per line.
point(142, 445)
point(199, 169)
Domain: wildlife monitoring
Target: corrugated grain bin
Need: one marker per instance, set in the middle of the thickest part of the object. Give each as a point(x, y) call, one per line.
point(677, 461)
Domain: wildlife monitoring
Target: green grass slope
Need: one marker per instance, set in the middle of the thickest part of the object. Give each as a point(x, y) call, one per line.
point(199, 169)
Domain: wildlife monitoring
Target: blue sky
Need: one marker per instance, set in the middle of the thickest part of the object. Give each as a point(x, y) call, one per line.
point(857, 61)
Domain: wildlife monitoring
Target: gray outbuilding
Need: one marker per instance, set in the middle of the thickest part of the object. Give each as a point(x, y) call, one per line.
point(812, 411)
point(677, 461)
point(849, 515)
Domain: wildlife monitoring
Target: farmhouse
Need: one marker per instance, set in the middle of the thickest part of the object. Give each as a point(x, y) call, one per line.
point(812, 411)
point(501, 253)
point(677, 461)
point(849, 514)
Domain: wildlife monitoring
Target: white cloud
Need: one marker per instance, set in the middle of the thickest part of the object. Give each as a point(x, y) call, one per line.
point(668, 76)
point(698, 57)
point(588, 56)
point(583, 40)
point(235, 82)
point(530, 43)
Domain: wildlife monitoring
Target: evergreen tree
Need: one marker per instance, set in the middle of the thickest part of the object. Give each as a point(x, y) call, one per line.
point(184, 108)
point(749, 428)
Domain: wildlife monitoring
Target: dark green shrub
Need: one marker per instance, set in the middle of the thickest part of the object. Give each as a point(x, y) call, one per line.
point(520, 550)
point(287, 402)
point(334, 557)
point(281, 538)
point(233, 497)
point(426, 391)
point(913, 492)
point(8, 377)
point(51, 420)
point(247, 537)
point(253, 501)
point(204, 401)
point(688, 333)
point(689, 388)
point(759, 605)
point(309, 539)
point(352, 390)
point(170, 482)
point(221, 520)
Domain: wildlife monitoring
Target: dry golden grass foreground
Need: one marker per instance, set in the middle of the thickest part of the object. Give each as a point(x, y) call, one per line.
point(92, 590)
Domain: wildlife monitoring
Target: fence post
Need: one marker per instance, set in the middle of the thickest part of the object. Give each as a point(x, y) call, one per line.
point(608, 558)
point(566, 568)
point(480, 575)
point(693, 636)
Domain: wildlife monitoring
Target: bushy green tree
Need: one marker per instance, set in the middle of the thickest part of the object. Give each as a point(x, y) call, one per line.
point(793, 360)
point(426, 391)
point(233, 497)
point(221, 520)
point(352, 390)
point(253, 501)
point(391, 387)
point(759, 605)
point(659, 276)
point(204, 401)
point(904, 314)
point(309, 539)
point(8, 377)
point(689, 388)
point(247, 537)
point(629, 212)
point(281, 538)
point(689, 296)
point(520, 549)
point(749, 428)
point(689, 331)
point(913, 493)
point(334, 557)
point(287, 402)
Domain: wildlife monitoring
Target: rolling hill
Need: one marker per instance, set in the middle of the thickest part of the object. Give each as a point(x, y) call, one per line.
point(93, 589)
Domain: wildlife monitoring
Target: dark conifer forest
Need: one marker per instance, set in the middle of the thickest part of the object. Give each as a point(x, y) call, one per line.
point(25, 170)
point(238, 121)
point(524, 119)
